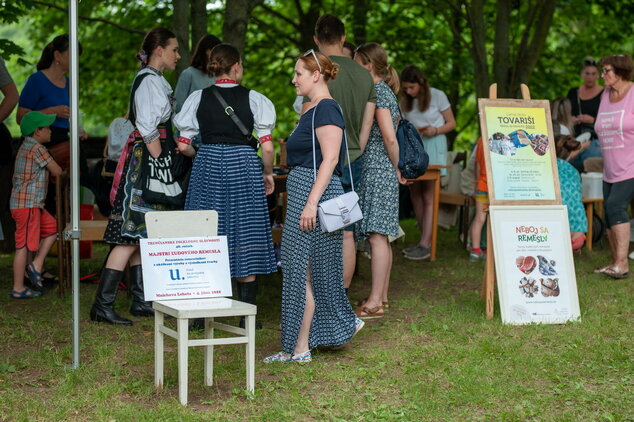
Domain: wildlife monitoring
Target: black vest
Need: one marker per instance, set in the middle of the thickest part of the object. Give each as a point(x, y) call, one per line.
point(216, 127)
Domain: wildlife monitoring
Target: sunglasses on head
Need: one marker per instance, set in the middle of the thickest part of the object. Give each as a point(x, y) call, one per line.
point(591, 63)
point(311, 51)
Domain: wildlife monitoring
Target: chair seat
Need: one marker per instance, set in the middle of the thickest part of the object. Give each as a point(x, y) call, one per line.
point(204, 308)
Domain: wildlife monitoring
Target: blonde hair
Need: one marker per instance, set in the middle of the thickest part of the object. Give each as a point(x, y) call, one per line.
point(375, 54)
point(561, 112)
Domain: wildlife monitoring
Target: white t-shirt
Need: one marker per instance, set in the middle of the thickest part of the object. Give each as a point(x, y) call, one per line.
point(431, 116)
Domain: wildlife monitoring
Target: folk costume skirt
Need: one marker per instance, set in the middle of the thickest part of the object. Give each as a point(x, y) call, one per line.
point(228, 179)
point(333, 322)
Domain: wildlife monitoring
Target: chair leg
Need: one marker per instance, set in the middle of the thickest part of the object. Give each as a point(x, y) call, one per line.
point(250, 352)
point(209, 353)
point(183, 346)
point(158, 350)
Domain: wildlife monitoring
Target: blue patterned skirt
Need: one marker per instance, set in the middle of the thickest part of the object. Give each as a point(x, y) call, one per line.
point(333, 322)
point(228, 179)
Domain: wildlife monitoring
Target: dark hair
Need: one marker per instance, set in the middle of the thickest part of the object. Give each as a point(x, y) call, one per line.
point(413, 74)
point(328, 68)
point(222, 57)
point(349, 46)
point(622, 64)
point(329, 29)
point(60, 43)
point(200, 59)
point(565, 144)
point(590, 61)
point(157, 37)
point(375, 54)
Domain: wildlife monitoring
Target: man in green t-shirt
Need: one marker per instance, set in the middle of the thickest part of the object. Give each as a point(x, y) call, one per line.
point(354, 90)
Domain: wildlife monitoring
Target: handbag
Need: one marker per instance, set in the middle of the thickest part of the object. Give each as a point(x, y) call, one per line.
point(343, 210)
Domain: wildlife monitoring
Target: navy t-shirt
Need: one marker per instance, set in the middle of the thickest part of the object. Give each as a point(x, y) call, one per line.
point(40, 93)
point(299, 145)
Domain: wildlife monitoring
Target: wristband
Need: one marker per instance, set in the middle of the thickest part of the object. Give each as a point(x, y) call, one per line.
point(266, 138)
point(183, 140)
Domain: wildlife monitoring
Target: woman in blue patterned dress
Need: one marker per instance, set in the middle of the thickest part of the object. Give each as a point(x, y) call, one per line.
point(570, 182)
point(380, 176)
point(315, 309)
point(227, 175)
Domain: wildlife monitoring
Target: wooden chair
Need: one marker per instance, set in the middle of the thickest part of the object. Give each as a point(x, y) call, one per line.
point(169, 224)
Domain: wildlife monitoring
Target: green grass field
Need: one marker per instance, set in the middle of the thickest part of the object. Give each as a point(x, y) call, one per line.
point(433, 357)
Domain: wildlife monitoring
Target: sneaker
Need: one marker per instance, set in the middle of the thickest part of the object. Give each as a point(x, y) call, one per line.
point(304, 357)
point(278, 357)
point(631, 255)
point(410, 249)
point(358, 325)
point(420, 253)
point(475, 256)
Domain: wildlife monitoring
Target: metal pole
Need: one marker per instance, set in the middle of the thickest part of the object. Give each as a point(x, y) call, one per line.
point(74, 173)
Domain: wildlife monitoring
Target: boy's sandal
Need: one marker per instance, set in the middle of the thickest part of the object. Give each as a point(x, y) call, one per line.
point(615, 272)
point(24, 294)
point(35, 276)
point(364, 312)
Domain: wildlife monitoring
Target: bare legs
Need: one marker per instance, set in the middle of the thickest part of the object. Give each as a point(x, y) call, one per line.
point(121, 254)
point(21, 257)
point(619, 238)
point(309, 311)
point(381, 268)
point(475, 231)
point(422, 197)
point(349, 258)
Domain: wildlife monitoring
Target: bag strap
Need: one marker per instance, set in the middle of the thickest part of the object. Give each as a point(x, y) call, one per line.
point(231, 113)
point(345, 141)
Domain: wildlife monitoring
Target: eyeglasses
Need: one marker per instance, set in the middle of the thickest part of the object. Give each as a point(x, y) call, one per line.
point(311, 51)
point(606, 70)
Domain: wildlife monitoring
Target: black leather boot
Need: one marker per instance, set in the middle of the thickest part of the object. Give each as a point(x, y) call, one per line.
point(139, 306)
point(103, 307)
point(247, 292)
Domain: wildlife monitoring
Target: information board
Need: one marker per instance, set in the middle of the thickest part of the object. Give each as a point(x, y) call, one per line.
point(519, 151)
point(185, 268)
point(534, 264)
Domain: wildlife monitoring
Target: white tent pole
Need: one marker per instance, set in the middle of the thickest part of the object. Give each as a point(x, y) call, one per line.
point(74, 173)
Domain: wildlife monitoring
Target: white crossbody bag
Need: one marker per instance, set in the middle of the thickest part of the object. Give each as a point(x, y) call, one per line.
point(344, 210)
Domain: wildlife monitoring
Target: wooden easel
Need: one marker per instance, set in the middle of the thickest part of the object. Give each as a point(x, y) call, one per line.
point(488, 281)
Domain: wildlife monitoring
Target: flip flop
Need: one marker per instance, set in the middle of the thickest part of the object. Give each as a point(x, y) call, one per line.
point(602, 270)
point(364, 312)
point(614, 272)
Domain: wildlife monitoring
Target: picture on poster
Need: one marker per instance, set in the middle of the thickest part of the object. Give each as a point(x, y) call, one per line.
point(521, 152)
point(185, 268)
point(534, 265)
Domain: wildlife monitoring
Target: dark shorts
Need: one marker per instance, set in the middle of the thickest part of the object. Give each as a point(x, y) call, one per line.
point(616, 198)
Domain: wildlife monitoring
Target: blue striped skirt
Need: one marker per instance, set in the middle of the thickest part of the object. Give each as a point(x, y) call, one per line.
point(228, 179)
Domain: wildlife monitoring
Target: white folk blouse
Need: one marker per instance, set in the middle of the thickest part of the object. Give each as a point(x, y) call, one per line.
point(153, 104)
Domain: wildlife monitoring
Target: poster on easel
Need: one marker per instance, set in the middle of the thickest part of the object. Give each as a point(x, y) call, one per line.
point(519, 151)
point(533, 260)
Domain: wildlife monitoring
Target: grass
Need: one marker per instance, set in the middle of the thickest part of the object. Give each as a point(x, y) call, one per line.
point(433, 357)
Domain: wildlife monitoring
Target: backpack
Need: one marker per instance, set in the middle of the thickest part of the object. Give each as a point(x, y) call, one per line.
point(413, 159)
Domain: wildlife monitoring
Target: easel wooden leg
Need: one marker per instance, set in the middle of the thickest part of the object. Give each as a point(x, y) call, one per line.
point(489, 275)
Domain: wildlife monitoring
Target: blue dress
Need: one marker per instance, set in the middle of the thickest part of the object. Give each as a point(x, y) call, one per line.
point(570, 183)
point(378, 188)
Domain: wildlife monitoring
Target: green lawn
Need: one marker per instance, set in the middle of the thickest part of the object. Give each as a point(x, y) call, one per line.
point(432, 357)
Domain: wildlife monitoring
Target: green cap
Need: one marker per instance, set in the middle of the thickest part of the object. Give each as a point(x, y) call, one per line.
point(33, 120)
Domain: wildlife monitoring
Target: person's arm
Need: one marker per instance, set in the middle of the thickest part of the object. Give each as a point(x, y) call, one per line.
point(151, 104)
point(384, 120)
point(366, 125)
point(268, 153)
point(53, 168)
point(9, 101)
point(450, 124)
point(329, 138)
point(186, 121)
point(264, 118)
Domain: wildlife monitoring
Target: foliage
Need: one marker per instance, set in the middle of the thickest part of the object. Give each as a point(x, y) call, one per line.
point(433, 357)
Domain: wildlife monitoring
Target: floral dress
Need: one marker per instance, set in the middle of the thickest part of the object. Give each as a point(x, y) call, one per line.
point(378, 188)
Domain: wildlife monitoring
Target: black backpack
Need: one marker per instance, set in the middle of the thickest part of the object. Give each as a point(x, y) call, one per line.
point(413, 159)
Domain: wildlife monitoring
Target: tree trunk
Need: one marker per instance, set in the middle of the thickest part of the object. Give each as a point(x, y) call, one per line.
point(456, 72)
point(237, 14)
point(501, 57)
point(180, 26)
point(475, 19)
point(199, 21)
point(359, 21)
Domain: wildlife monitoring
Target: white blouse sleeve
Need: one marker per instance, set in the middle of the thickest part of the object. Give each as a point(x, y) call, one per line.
point(263, 115)
point(186, 120)
point(151, 107)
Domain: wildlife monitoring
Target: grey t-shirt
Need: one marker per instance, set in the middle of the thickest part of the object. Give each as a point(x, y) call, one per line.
point(190, 80)
point(5, 78)
point(352, 89)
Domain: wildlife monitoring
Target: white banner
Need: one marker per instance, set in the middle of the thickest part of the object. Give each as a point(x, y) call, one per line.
point(185, 268)
point(534, 265)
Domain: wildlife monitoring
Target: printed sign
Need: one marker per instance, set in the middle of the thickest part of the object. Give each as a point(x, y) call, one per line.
point(521, 153)
point(185, 268)
point(535, 270)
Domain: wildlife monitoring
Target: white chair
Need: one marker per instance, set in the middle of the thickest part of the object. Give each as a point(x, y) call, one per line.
point(167, 224)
